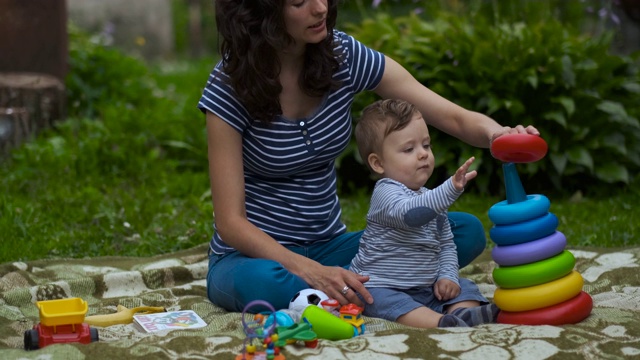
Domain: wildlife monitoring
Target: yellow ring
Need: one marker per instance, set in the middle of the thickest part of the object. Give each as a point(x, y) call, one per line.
point(539, 296)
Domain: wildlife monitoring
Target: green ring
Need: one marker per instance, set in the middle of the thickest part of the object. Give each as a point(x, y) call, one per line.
point(539, 272)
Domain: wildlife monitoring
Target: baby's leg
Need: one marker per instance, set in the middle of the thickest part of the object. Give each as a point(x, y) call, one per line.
point(462, 304)
point(476, 315)
point(471, 306)
point(423, 317)
point(399, 306)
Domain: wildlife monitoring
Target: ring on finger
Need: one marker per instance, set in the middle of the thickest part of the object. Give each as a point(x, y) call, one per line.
point(345, 289)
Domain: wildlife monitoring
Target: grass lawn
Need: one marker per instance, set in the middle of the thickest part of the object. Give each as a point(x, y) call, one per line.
point(135, 183)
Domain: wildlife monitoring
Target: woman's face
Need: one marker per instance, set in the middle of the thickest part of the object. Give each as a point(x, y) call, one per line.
point(305, 20)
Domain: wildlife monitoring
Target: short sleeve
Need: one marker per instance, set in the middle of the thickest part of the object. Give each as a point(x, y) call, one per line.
point(219, 98)
point(366, 66)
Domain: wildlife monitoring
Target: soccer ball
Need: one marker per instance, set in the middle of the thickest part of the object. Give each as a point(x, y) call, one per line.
point(306, 297)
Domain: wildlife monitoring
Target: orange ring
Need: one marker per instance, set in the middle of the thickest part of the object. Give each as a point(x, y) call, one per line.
point(519, 148)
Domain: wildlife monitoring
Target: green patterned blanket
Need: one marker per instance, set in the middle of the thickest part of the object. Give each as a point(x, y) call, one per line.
point(177, 281)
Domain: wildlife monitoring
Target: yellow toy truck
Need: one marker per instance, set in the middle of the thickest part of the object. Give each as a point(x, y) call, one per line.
point(61, 321)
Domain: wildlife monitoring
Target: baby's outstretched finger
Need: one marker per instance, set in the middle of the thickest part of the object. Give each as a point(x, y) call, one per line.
point(467, 164)
point(471, 175)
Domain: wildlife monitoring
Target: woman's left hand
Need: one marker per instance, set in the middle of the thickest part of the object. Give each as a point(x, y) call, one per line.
point(516, 130)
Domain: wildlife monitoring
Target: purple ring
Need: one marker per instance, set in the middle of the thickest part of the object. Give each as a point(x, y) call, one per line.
point(530, 251)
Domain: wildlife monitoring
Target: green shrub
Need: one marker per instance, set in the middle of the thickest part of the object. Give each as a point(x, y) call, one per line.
point(104, 83)
point(582, 98)
point(181, 16)
point(101, 76)
point(586, 15)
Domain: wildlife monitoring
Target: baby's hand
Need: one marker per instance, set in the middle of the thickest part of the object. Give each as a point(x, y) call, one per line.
point(445, 289)
point(461, 176)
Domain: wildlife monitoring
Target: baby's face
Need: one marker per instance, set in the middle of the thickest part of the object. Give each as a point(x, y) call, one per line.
point(406, 154)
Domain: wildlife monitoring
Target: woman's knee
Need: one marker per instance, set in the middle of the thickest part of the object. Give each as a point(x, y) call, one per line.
point(469, 236)
point(234, 283)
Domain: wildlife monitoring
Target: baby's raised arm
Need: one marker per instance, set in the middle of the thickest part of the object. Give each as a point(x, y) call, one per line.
point(463, 175)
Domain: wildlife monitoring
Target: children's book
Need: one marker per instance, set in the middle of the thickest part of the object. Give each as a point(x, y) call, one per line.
point(170, 320)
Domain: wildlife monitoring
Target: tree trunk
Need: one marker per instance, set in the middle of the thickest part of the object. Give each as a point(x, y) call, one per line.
point(29, 103)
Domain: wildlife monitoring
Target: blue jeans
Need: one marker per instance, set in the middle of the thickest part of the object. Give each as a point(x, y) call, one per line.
point(234, 280)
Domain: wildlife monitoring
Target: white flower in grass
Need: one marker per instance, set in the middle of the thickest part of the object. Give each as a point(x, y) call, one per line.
point(499, 342)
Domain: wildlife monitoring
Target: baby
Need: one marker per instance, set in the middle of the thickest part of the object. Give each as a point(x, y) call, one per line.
point(408, 248)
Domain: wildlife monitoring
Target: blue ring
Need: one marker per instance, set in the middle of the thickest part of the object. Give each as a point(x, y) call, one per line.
point(504, 213)
point(524, 231)
point(531, 251)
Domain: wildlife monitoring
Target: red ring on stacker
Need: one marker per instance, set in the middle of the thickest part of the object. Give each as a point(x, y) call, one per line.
point(571, 311)
point(519, 148)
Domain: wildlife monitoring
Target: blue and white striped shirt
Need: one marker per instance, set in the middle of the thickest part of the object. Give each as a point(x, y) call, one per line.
point(289, 165)
point(408, 241)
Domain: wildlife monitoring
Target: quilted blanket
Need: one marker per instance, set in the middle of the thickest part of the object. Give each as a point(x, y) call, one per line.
point(177, 281)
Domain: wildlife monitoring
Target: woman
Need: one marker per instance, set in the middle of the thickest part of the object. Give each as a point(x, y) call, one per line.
point(278, 115)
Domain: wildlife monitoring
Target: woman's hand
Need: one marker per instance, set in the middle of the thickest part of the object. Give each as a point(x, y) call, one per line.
point(338, 283)
point(445, 289)
point(516, 130)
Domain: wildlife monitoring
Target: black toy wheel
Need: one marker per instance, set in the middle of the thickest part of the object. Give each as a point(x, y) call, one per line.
point(31, 340)
point(94, 334)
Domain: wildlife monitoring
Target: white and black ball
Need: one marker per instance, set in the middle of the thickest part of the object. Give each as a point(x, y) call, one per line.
point(306, 297)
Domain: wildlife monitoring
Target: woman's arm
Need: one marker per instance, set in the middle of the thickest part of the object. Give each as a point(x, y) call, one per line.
point(471, 127)
point(226, 176)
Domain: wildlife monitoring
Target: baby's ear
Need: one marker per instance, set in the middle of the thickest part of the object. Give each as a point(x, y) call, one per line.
point(375, 163)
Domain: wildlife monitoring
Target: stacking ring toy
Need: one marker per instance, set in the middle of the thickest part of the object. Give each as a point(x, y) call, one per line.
point(539, 296)
point(536, 273)
point(571, 311)
point(530, 251)
point(504, 213)
point(522, 232)
point(519, 148)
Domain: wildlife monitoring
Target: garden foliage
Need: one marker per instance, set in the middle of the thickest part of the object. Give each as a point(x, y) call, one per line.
point(120, 175)
point(126, 172)
point(582, 98)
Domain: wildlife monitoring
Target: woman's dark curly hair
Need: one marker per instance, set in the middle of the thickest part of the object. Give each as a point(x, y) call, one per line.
point(251, 33)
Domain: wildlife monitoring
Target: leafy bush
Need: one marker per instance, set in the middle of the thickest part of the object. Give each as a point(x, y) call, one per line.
point(101, 76)
point(126, 174)
point(586, 15)
point(105, 83)
point(582, 98)
point(182, 17)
